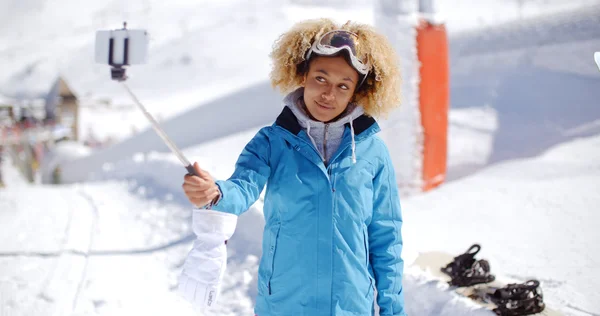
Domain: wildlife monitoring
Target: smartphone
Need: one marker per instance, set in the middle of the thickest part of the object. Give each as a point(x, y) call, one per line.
point(121, 47)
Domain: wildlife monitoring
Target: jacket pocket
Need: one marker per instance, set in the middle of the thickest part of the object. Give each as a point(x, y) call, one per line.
point(273, 236)
point(366, 247)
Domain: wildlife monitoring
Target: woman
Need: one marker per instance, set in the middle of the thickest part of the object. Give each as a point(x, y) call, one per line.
point(332, 213)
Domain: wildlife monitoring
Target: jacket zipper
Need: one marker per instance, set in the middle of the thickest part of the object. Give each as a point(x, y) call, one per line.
point(325, 145)
point(331, 179)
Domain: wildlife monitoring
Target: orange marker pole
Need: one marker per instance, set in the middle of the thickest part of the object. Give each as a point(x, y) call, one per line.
point(432, 52)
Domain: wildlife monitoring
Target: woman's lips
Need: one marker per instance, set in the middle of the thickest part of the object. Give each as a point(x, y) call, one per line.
point(324, 106)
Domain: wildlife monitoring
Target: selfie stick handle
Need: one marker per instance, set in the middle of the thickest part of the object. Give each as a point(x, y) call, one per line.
point(161, 133)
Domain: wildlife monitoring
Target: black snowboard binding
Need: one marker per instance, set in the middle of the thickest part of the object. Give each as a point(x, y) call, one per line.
point(519, 299)
point(465, 270)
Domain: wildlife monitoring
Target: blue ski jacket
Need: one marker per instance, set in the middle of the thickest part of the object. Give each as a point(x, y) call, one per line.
point(332, 233)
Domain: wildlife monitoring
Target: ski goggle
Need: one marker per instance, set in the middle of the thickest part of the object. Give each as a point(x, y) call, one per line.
point(335, 41)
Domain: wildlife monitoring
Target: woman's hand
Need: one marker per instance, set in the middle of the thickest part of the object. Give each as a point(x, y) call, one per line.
point(200, 190)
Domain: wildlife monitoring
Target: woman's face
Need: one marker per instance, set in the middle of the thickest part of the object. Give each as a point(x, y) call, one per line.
point(329, 86)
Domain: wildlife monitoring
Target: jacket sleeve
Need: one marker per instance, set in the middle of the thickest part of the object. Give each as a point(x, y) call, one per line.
point(246, 183)
point(385, 240)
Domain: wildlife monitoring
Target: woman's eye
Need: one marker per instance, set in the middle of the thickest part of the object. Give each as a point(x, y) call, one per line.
point(320, 79)
point(344, 87)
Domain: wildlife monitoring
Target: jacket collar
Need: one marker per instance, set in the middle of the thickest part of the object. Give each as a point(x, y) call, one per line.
point(288, 121)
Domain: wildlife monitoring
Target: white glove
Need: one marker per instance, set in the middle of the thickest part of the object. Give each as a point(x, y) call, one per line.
point(205, 265)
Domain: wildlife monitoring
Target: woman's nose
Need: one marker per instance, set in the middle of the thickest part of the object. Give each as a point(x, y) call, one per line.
point(328, 94)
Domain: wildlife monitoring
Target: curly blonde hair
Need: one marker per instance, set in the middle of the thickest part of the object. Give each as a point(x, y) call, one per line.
point(379, 94)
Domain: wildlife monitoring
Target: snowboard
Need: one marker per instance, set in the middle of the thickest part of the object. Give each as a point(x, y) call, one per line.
point(432, 262)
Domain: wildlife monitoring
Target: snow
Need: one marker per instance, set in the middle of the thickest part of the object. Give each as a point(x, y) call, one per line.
point(4, 100)
point(466, 15)
point(62, 154)
point(535, 218)
point(200, 127)
point(524, 155)
point(406, 121)
point(139, 225)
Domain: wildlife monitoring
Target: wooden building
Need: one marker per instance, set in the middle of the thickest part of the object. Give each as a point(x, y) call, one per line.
point(62, 107)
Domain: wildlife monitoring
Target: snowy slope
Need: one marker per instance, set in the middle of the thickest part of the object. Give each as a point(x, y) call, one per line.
point(535, 218)
point(184, 38)
point(466, 15)
point(140, 219)
point(199, 51)
point(511, 68)
point(194, 48)
point(533, 84)
point(132, 220)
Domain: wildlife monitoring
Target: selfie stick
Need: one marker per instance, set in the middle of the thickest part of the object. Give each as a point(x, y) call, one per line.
point(118, 74)
point(162, 133)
